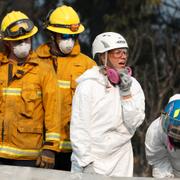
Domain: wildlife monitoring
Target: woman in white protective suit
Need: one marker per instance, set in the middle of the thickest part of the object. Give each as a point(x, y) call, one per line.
point(107, 108)
point(163, 141)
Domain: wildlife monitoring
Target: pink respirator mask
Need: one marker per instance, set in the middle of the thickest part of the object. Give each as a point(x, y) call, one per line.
point(113, 75)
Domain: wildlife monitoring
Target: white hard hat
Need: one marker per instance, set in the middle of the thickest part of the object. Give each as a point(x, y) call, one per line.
point(108, 41)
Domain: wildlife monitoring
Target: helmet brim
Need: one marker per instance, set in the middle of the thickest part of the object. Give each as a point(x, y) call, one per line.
point(66, 30)
point(27, 35)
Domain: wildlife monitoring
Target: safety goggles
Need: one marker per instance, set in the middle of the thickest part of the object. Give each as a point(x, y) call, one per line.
point(118, 53)
point(68, 36)
point(19, 28)
point(72, 27)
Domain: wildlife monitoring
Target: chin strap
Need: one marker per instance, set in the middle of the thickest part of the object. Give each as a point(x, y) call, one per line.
point(105, 63)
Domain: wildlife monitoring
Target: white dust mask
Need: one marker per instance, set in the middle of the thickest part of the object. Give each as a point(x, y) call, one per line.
point(66, 45)
point(22, 50)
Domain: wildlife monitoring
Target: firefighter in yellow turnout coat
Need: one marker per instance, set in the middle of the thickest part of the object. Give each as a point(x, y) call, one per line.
point(29, 99)
point(63, 52)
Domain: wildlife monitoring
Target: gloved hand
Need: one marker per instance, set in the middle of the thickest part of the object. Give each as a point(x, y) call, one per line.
point(125, 83)
point(46, 159)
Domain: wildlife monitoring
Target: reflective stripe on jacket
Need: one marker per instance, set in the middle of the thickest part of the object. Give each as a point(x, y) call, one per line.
point(28, 102)
point(68, 69)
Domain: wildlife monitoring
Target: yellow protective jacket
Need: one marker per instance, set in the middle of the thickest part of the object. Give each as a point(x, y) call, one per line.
point(29, 117)
point(68, 69)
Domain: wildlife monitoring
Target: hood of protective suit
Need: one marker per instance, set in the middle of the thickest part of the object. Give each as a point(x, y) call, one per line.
point(93, 74)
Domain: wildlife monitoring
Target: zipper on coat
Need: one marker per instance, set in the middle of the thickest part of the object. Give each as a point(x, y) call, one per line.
point(10, 77)
point(2, 131)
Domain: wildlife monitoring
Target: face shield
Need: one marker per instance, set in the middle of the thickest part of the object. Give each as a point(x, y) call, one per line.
point(171, 119)
point(171, 126)
point(19, 28)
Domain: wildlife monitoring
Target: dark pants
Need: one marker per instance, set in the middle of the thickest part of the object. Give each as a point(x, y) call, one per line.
point(63, 161)
point(13, 162)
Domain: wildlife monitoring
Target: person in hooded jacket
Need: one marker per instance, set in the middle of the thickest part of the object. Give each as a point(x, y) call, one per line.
point(29, 98)
point(64, 54)
point(162, 141)
point(108, 107)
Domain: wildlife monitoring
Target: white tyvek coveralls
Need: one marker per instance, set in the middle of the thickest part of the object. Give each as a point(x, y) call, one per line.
point(165, 160)
point(103, 124)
